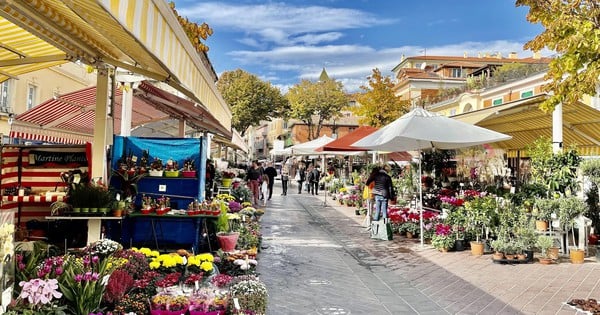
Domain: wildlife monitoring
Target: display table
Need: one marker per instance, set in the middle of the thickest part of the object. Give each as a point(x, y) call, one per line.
point(94, 225)
point(177, 230)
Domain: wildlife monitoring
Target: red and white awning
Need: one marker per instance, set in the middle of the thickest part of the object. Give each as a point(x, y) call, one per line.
point(51, 136)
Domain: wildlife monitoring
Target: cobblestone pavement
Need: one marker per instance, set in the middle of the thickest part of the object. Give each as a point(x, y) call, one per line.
point(318, 259)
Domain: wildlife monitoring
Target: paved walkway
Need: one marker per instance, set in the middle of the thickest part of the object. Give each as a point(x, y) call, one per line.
point(318, 259)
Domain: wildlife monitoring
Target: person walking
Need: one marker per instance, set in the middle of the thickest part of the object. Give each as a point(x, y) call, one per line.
point(285, 175)
point(300, 176)
point(314, 180)
point(270, 173)
point(252, 179)
point(383, 190)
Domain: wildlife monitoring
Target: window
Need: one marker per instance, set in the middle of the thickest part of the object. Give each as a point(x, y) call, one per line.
point(456, 73)
point(4, 94)
point(31, 92)
point(468, 108)
point(526, 94)
point(497, 101)
point(418, 65)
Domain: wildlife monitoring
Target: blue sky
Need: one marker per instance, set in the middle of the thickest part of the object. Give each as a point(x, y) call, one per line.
point(285, 42)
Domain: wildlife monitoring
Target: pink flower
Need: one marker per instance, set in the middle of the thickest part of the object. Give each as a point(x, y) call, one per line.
point(78, 278)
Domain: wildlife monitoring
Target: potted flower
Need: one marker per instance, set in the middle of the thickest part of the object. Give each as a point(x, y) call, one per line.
point(227, 177)
point(189, 168)
point(171, 168)
point(156, 168)
point(442, 240)
point(226, 238)
point(251, 296)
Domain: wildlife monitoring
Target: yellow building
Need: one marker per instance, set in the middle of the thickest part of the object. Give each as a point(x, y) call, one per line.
point(28, 90)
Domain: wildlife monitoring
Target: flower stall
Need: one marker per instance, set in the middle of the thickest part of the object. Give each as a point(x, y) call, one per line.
point(105, 278)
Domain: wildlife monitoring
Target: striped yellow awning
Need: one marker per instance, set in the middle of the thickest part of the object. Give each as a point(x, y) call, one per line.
point(142, 36)
point(525, 122)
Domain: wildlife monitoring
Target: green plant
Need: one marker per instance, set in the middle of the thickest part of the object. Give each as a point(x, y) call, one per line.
point(442, 241)
point(241, 193)
point(479, 212)
point(558, 172)
point(251, 295)
point(499, 245)
point(570, 208)
point(222, 220)
point(544, 242)
point(544, 208)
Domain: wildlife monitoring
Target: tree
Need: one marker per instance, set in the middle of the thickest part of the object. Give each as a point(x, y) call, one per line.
point(315, 102)
point(195, 33)
point(251, 99)
point(572, 29)
point(378, 106)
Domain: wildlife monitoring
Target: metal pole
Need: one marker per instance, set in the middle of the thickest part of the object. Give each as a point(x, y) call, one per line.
point(421, 198)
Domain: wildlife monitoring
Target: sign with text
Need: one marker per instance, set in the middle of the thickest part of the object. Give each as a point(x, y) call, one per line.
point(57, 159)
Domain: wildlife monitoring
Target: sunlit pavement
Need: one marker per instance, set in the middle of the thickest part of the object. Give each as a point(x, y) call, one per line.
point(318, 259)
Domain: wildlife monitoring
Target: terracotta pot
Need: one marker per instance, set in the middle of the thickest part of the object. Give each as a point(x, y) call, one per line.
point(118, 212)
point(477, 248)
point(553, 252)
point(541, 225)
point(546, 261)
point(521, 256)
point(227, 241)
point(509, 256)
point(577, 256)
point(498, 256)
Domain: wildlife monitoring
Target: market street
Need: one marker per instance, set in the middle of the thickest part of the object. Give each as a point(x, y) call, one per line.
point(320, 260)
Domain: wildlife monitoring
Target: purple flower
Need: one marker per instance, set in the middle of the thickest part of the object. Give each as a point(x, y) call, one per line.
point(21, 266)
point(58, 271)
point(87, 276)
point(95, 276)
point(95, 259)
point(38, 291)
point(86, 261)
point(78, 278)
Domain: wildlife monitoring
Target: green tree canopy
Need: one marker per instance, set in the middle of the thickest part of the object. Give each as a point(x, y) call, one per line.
point(315, 102)
point(572, 29)
point(251, 99)
point(378, 106)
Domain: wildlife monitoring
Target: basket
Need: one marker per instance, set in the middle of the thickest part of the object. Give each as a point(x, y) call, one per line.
point(172, 173)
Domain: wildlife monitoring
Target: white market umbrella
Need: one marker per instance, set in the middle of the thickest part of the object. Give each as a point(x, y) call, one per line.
point(310, 147)
point(420, 129)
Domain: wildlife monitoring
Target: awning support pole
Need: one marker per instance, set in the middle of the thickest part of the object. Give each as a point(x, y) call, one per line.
point(100, 123)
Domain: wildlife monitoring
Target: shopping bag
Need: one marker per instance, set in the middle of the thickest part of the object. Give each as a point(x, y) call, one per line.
point(381, 230)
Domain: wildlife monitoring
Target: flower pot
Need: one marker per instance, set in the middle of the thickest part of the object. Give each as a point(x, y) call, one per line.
point(477, 248)
point(227, 241)
point(510, 256)
point(553, 252)
point(546, 261)
point(226, 182)
point(521, 257)
point(103, 210)
point(577, 256)
point(94, 210)
point(171, 173)
point(118, 212)
point(188, 174)
point(410, 235)
point(459, 245)
point(497, 256)
point(85, 209)
point(77, 210)
point(155, 173)
point(541, 225)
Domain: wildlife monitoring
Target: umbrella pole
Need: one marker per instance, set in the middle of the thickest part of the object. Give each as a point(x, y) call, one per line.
point(324, 184)
point(421, 198)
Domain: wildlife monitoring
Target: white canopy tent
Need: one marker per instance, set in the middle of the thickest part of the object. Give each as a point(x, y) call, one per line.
point(420, 129)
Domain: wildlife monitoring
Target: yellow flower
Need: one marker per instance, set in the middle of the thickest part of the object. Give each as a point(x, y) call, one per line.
point(154, 253)
point(206, 257)
point(206, 266)
point(193, 261)
point(154, 265)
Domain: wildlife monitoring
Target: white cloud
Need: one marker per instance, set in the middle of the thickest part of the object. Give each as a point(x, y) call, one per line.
point(280, 22)
point(313, 39)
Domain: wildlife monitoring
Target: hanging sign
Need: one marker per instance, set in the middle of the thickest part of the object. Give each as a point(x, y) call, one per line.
point(57, 159)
